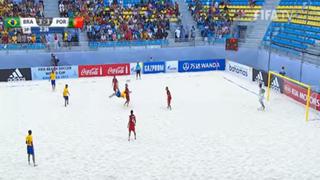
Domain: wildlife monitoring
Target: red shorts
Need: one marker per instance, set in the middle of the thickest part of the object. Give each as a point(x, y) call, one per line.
point(132, 129)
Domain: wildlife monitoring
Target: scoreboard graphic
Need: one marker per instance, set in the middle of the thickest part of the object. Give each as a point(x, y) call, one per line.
point(43, 24)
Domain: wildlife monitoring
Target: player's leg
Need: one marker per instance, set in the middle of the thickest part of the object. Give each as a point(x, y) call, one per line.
point(53, 85)
point(129, 135)
point(67, 100)
point(135, 135)
point(169, 103)
point(28, 158)
point(262, 104)
point(112, 95)
point(34, 159)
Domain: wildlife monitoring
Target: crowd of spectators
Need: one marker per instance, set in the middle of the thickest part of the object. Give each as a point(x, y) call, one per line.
point(25, 8)
point(144, 21)
point(183, 34)
point(214, 21)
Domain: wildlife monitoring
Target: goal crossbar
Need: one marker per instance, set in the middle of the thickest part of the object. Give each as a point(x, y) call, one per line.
point(308, 87)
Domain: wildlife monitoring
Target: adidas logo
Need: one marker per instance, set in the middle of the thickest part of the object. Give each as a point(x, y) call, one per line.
point(16, 76)
point(259, 77)
point(275, 84)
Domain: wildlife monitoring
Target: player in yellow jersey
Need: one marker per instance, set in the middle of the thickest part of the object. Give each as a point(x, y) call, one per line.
point(66, 95)
point(53, 79)
point(30, 150)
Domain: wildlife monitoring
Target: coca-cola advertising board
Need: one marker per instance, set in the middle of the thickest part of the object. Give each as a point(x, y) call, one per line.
point(117, 69)
point(92, 71)
point(299, 94)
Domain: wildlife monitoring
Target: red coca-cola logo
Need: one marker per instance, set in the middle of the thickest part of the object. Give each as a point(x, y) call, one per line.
point(92, 71)
point(118, 69)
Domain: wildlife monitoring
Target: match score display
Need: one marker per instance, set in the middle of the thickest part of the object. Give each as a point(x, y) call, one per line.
point(17, 22)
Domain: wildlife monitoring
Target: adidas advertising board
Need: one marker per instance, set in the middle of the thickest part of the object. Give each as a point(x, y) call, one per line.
point(14, 75)
point(276, 83)
point(239, 70)
point(260, 76)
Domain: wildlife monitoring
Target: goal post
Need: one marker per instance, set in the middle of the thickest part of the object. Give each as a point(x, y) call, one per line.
point(303, 95)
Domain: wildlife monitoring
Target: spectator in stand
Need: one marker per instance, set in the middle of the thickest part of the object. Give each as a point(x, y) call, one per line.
point(56, 41)
point(69, 39)
point(193, 33)
point(281, 82)
point(252, 3)
point(54, 60)
point(178, 33)
point(212, 22)
point(282, 71)
point(147, 20)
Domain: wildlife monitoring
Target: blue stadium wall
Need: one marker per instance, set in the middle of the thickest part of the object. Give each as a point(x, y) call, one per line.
point(252, 57)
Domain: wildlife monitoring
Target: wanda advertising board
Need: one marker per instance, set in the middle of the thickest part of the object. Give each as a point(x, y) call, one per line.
point(299, 94)
point(104, 70)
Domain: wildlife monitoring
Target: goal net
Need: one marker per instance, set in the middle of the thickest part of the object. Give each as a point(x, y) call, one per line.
point(300, 92)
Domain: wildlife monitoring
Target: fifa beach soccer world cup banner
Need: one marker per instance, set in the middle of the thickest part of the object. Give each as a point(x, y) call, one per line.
point(154, 67)
point(202, 65)
point(239, 70)
point(62, 72)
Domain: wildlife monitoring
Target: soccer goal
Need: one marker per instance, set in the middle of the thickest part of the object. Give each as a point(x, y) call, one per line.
point(294, 89)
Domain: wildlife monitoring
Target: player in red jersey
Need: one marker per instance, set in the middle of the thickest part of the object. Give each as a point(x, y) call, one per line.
point(169, 97)
point(115, 84)
point(132, 125)
point(127, 92)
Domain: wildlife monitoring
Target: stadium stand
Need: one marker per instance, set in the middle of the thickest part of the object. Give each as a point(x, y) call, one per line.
point(138, 22)
point(214, 18)
point(295, 28)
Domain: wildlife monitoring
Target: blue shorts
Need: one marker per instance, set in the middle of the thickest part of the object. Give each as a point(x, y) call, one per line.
point(30, 150)
point(118, 94)
point(53, 82)
point(66, 98)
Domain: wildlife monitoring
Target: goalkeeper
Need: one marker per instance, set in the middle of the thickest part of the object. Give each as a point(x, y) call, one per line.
point(261, 97)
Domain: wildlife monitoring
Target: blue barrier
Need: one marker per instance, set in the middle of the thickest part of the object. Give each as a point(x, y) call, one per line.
point(62, 72)
point(153, 67)
point(201, 65)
